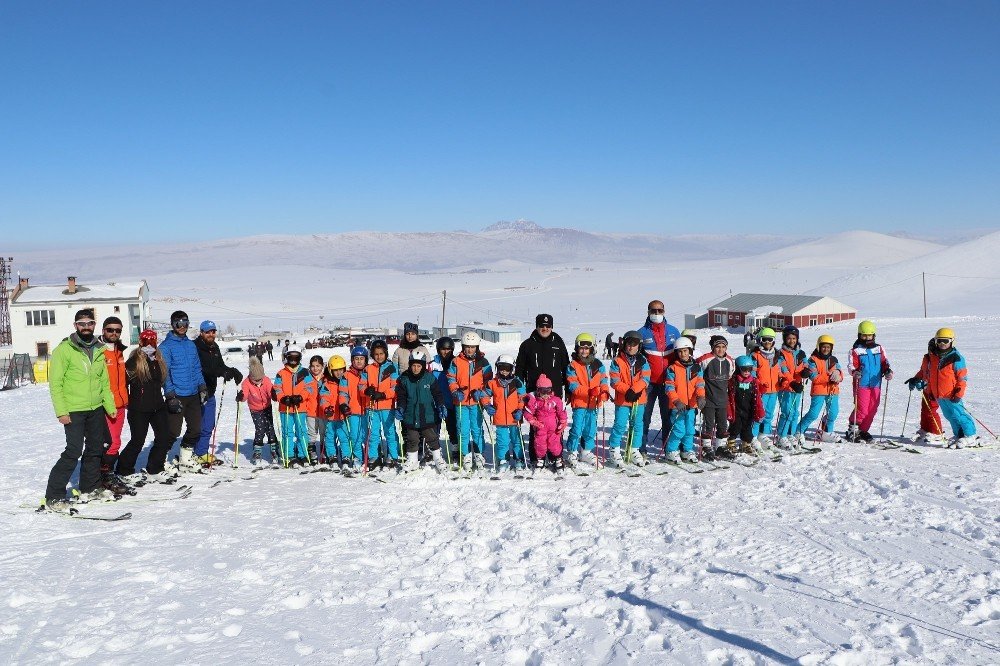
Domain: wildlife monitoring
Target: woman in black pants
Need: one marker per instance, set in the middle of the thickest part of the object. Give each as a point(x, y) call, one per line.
point(146, 371)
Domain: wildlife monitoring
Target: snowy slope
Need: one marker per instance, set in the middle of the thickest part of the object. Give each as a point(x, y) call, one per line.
point(849, 250)
point(852, 556)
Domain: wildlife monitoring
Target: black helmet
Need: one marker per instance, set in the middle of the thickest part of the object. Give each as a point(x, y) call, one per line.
point(632, 335)
point(380, 343)
point(445, 343)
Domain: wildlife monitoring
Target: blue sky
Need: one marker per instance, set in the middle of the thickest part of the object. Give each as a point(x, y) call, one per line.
point(146, 122)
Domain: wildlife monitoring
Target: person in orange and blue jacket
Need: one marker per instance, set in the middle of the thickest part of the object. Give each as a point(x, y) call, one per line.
point(504, 403)
point(826, 373)
point(945, 375)
point(629, 377)
point(767, 368)
point(588, 389)
point(468, 376)
point(335, 441)
point(380, 402)
point(931, 428)
point(295, 390)
point(794, 372)
point(686, 395)
point(352, 407)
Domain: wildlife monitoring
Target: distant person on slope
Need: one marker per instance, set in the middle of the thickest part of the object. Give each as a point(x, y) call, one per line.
point(868, 364)
point(184, 390)
point(945, 374)
point(609, 346)
point(658, 338)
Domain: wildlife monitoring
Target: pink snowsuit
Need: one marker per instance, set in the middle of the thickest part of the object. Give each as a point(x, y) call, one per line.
point(548, 417)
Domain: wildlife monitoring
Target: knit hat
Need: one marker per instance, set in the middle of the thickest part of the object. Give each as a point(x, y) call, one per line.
point(716, 339)
point(543, 382)
point(147, 338)
point(410, 326)
point(256, 369)
point(543, 320)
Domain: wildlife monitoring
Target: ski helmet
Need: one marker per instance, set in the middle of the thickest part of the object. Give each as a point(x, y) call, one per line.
point(360, 350)
point(505, 360)
point(147, 338)
point(418, 356)
point(631, 335)
point(293, 349)
point(585, 338)
point(380, 344)
point(445, 343)
point(945, 333)
point(336, 363)
point(471, 339)
point(766, 333)
point(866, 328)
point(684, 343)
point(824, 340)
point(790, 330)
point(744, 361)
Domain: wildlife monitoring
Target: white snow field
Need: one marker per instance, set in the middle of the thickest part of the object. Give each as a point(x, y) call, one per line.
point(851, 556)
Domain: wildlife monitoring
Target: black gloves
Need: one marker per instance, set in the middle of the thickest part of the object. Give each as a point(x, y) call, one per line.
point(329, 411)
point(234, 375)
point(796, 386)
point(240, 397)
point(631, 396)
point(174, 405)
point(345, 409)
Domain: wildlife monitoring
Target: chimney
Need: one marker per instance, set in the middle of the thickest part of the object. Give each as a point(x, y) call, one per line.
point(71, 284)
point(22, 284)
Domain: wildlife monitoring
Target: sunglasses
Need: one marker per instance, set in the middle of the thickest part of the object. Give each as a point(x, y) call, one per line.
point(84, 323)
point(110, 329)
point(545, 326)
point(655, 311)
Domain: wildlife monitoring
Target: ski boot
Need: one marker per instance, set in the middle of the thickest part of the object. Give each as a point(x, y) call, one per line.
point(467, 464)
point(853, 433)
point(257, 459)
point(111, 481)
point(440, 466)
point(187, 461)
point(412, 463)
point(674, 457)
point(637, 459)
point(865, 436)
point(97, 495)
point(558, 467)
point(539, 467)
point(58, 505)
point(480, 461)
point(588, 458)
point(689, 457)
point(615, 458)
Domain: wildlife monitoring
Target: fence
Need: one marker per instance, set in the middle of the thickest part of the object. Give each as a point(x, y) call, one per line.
point(16, 371)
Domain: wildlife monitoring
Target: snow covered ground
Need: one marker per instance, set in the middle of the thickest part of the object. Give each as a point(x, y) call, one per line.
point(851, 556)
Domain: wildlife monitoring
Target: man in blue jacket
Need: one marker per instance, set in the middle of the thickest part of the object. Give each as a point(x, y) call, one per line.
point(184, 389)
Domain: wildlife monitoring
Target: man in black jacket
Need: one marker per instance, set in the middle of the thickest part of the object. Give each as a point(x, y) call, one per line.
point(543, 353)
point(213, 368)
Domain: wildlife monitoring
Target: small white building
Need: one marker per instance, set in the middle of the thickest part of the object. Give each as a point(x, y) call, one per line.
point(499, 334)
point(41, 316)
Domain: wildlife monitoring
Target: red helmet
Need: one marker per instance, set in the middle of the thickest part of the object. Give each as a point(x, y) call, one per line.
point(147, 338)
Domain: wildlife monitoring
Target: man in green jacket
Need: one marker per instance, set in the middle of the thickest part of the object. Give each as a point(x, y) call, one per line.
point(81, 395)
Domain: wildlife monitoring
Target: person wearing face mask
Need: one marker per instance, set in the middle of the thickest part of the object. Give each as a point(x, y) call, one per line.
point(81, 396)
point(114, 358)
point(184, 388)
point(146, 371)
point(658, 339)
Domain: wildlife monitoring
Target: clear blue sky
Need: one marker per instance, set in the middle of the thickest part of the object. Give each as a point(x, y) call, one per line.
point(188, 120)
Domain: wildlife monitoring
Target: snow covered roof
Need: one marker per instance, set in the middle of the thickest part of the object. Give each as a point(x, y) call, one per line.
point(111, 291)
point(789, 303)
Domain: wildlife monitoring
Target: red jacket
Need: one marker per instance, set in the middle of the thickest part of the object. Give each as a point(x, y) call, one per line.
point(758, 404)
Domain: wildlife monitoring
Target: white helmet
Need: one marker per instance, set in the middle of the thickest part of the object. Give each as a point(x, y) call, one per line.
point(683, 343)
point(418, 356)
point(293, 349)
point(471, 339)
point(505, 359)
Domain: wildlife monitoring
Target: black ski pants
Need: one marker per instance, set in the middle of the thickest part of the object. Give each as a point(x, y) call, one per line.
point(190, 415)
point(429, 434)
point(139, 424)
point(715, 422)
point(742, 425)
point(263, 425)
point(85, 441)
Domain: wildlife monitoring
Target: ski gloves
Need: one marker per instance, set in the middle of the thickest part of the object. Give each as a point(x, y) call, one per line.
point(491, 410)
point(234, 375)
point(631, 396)
point(291, 400)
point(173, 404)
point(916, 384)
point(373, 394)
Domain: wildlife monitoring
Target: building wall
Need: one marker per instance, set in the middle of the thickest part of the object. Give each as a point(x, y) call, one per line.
point(27, 338)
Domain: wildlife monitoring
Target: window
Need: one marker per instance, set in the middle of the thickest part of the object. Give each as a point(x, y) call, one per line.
point(40, 317)
point(718, 318)
point(42, 349)
point(812, 321)
point(829, 320)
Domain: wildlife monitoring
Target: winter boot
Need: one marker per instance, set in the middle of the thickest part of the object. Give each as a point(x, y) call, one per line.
point(412, 462)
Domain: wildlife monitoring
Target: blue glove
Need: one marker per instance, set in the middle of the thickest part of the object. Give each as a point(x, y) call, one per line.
point(398, 414)
point(478, 395)
point(916, 384)
point(442, 412)
point(491, 410)
point(459, 396)
point(517, 414)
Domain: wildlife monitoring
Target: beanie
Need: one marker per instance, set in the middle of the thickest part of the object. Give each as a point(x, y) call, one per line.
point(543, 320)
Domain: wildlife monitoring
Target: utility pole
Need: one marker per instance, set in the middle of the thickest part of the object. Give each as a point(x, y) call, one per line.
point(444, 301)
point(923, 279)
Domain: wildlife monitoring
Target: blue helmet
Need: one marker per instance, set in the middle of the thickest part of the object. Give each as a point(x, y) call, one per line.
point(744, 361)
point(359, 351)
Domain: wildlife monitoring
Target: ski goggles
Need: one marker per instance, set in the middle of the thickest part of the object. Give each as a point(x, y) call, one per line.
point(767, 339)
point(587, 345)
point(505, 367)
point(180, 323)
point(943, 341)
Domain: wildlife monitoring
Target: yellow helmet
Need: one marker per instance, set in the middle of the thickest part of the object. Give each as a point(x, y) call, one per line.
point(945, 333)
point(866, 328)
point(585, 337)
point(825, 340)
point(336, 363)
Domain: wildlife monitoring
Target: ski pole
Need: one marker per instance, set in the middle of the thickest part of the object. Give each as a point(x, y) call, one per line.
point(458, 417)
point(350, 440)
point(215, 426)
point(906, 416)
point(236, 437)
point(933, 412)
point(493, 438)
point(602, 449)
point(631, 432)
point(368, 441)
point(983, 424)
point(520, 440)
point(885, 404)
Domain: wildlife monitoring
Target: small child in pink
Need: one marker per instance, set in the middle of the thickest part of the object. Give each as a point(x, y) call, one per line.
point(547, 415)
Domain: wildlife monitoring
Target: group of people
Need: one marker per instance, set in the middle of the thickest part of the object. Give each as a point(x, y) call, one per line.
point(344, 412)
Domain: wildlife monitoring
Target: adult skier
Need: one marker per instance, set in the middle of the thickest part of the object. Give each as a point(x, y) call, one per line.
point(184, 390)
point(658, 338)
point(213, 368)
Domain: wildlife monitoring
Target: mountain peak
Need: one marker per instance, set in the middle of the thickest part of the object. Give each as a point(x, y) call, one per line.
point(516, 225)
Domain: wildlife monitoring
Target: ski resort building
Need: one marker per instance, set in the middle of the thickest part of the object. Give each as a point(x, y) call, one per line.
point(499, 334)
point(751, 311)
point(41, 316)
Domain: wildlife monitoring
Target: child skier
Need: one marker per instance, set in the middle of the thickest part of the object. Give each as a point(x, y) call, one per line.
point(867, 364)
point(717, 368)
point(468, 377)
point(931, 429)
point(745, 409)
point(767, 368)
point(420, 408)
point(380, 394)
point(504, 403)
point(629, 377)
point(352, 407)
point(257, 390)
point(333, 427)
point(588, 389)
point(439, 366)
point(945, 375)
point(295, 391)
point(547, 415)
point(686, 395)
point(792, 360)
point(315, 420)
point(826, 374)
